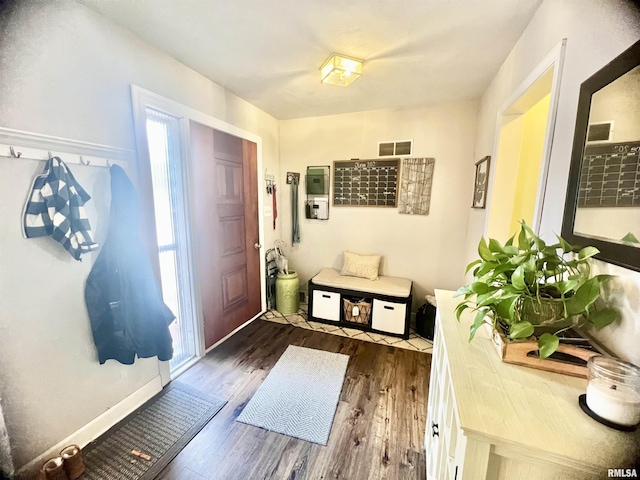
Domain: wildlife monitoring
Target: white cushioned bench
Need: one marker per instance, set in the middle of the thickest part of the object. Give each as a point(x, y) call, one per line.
point(389, 297)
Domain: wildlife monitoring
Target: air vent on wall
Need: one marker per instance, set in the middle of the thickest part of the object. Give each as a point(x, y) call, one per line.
point(600, 132)
point(395, 149)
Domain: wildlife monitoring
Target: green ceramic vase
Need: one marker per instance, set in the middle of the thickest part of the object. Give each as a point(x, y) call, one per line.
point(287, 300)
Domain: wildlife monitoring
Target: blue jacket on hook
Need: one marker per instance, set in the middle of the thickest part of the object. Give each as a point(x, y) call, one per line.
point(128, 316)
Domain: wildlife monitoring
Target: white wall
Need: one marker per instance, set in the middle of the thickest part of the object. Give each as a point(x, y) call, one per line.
point(422, 248)
point(66, 71)
point(596, 31)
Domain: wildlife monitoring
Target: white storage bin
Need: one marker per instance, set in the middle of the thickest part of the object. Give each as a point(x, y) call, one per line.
point(388, 316)
point(326, 305)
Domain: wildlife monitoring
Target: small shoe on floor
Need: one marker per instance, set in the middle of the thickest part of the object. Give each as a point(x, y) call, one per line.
point(53, 469)
point(73, 463)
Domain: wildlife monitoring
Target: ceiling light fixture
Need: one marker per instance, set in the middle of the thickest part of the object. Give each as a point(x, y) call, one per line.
point(341, 70)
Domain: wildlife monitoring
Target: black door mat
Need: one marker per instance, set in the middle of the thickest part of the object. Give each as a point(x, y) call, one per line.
point(160, 428)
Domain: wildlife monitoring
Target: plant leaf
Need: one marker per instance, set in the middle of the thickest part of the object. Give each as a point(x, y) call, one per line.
point(462, 291)
point(517, 279)
point(551, 252)
point(567, 285)
point(494, 246)
point(547, 344)
point(511, 289)
point(484, 252)
point(584, 297)
point(521, 330)
point(523, 242)
point(505, 267)
point(511, 250)
point(518, 259)
point(506, 308)
point(479, 287)
point(472, 264)
point(564, 245)
point(604, 317)
point(629, 239)
point(538, 241)
point(587, 252)
point(477, 322)
point(488, 298)
point(461, 308)
point(485, 268)
point(510, 241)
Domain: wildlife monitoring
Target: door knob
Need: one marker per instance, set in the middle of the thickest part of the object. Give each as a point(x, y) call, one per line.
point(257, 246)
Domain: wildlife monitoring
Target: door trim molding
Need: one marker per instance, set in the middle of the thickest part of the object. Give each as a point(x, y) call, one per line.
point(555, 60)
point(143, 98)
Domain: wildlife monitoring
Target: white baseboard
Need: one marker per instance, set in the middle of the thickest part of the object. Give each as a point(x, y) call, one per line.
point(96, 427)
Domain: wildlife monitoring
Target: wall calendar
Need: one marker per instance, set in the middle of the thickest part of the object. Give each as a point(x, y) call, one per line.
point(366, 183)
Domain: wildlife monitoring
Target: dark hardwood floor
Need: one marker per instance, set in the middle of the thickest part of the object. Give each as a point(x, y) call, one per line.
point(378, 430)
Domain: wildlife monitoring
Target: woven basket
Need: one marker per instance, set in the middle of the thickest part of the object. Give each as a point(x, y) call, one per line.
point(364, 311)
point(546, 314)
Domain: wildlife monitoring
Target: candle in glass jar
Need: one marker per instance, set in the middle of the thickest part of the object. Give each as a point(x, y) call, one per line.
point(617, 403)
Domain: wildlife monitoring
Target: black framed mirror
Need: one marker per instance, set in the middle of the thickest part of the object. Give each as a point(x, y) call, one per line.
point(602, 206)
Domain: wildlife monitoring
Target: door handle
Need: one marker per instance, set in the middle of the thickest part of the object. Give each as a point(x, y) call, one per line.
point(435, 430)
point(257, 246)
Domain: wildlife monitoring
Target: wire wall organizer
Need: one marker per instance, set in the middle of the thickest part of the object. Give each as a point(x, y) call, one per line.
point(415, 186)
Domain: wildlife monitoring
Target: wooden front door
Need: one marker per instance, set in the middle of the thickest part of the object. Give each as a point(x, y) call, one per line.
point(225, 215)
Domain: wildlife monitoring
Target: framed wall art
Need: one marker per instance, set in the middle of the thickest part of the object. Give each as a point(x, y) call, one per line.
point(481, 183)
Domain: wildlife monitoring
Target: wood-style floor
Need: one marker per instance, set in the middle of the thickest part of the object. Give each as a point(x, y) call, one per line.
point(378, 430)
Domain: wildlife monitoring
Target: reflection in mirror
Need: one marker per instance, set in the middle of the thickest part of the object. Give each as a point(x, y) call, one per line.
point(609, 193)
point(602, 207)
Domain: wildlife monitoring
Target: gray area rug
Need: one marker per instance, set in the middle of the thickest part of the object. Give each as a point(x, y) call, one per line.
point(160, 428)
point(300, 395)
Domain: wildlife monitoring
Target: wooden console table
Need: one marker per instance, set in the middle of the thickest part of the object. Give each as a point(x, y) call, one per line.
point(492, 420)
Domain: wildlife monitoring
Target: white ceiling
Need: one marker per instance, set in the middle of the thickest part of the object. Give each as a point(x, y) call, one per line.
point(416, 52)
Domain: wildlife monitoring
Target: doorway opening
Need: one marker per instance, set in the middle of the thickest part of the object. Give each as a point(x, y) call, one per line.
point(199, 192)
point(523, 148)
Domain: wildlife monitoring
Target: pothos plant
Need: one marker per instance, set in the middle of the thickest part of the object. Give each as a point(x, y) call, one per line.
point(517, 278)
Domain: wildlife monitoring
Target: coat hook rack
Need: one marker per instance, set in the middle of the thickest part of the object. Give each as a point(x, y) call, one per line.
point(23, 145)
point(270, 180)
point(291, 176)
point(14, 153)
